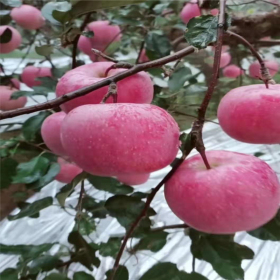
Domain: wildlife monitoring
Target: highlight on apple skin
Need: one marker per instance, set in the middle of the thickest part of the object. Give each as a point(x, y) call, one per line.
point(134, 179)
point(50, 132)
point(255, 67)
point(239, 193)
point(6, 103)
point(190, 11)
point(31, 73)
point(251, 114)
point(137, 88)
point(28, 17)
point(232, 71)
point(15, 41)
point(115, 139)
point(68, 171)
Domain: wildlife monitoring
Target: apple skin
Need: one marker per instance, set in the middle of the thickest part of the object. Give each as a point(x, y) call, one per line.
point(254, 69)
point(232, 71)
point(68, 171)
point(134, 179)
point(50, 132)
point(251, 114)
point(225, 59)
point(27, 17)
point(137, 88)
point(120, 138)
point(30, 73)
point(190, 11)
point(240, 192)
point(15, 83)
point(6, 103)
point(14, 42)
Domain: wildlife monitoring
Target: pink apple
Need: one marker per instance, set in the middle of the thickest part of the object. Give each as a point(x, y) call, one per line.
point(225, 59)
point(137, 88)
point(6, 103)
point(134, 179)
point(68, 171)
point(190, 11)
point(27, 17)
point(232, 71)
point(31, 73)
point(114, 139)
point(50, 132)
point(240, 192)
point(15, 83)
point(214, 12)
point(14, 43)
point(254, 69)
point(143, 57)
point(251, 114)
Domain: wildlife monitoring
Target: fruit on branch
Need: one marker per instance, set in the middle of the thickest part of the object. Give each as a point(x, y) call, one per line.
point(225, 59)
point(6, 103)
point(120, 138)
point(232, 71)
point(50, 132)
point(68, 171)
point(104, 34)
point(134, 179)
point(137, 88)
point(255, 68)
point(27, 17)
point(143, 57)
point(190, 11)
point(251, 114)
point(13, 43)
point(240, 192)
point(31, 73)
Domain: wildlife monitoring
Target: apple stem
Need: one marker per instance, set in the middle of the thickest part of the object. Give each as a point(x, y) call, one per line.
point(113, 90)
point(101, 54)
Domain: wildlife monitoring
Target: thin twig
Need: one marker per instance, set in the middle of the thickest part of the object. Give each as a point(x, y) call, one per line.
point(80, 202)
point(99, 53)
point(169, 227)
point(140, 52)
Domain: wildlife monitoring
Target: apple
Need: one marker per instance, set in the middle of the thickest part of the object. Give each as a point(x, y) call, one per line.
point(214, 12)
point(6, 103)
point(27, 17)
point(240, 192)
point(68, 171)
point(15, 41)
point(251, 114)
point(137, 88)
point(255, 68)
point(232, 71)
point(134, 179)
point(104, 34)
point(225, 59)
point(190, 11)
point(143, 57)
point(50, 132)
point(30, 73)
point(120, 138)
point(15, 83)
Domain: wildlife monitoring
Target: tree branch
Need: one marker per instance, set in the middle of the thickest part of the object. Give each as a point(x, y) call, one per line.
point(169, 227)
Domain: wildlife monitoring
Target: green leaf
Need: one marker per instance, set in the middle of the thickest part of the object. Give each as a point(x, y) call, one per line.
point(6, 36)
point(111, 248)
point(62, 17)
point(222, 252)
point(20, 93)
point(258, 154)
point(81, 275)
point(56, 276)
point(157, 45)
point(179, 77)
point(44, 50)
point(22, 204)
point(153, 241)
point(32, 208)
point(85, 225)
point(277, 54)
point(201, 31)
point(88, 33)
point(5, 18)
point(85, 254)
point(269, 231)
point(44, 263)
point(9, 274)
point(109, 184)
point(31, 171)
point(7, 171)
point(69, 188)
point(31, 129)
point(97, 209)
point(121, 273)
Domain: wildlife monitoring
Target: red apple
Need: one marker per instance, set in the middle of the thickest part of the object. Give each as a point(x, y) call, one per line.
point(68, 171)
point(214, 12)
point(15, 83)
point(232, 71)
point(116, 139)
point(50, 132)
point(190, 11)
point(6, 103)
point(27, 17)
point(251, 114)
point(14, 43)
point(137, 88)
point(255, 67)
point(134, 179)
point(225, 59)
point(31, 73)
point(240, 192)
